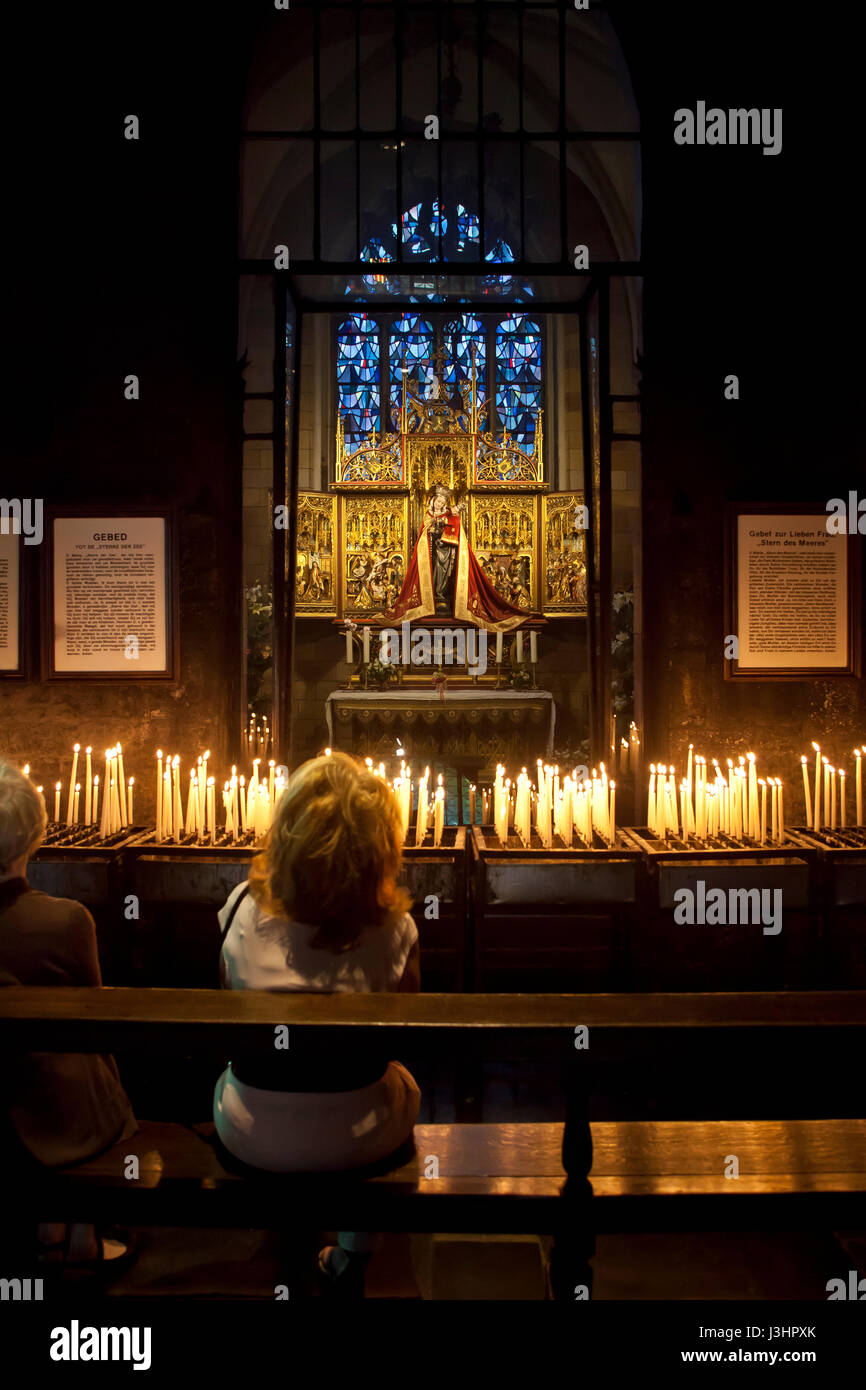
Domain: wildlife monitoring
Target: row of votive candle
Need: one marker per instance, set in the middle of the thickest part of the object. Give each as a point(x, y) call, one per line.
point(247, 806)
point(428, 810)
point(258, 737)
point(822, 809)
point(563, 806)
point(736, 802)
point(82, 801)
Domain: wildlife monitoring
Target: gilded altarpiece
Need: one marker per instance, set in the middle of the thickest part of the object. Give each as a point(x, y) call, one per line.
point(522, 536)
point(563, 554)
point(316, 573)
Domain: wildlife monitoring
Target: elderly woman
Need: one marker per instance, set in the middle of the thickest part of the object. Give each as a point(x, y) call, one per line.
point(61, 1108)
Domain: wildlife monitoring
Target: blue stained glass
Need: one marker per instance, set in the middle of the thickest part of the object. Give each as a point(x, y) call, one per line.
point(518, 377)
point(411, 345)
point(358, 378)
point(461, 336)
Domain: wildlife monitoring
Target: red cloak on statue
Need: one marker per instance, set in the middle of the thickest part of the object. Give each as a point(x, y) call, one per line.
point(475, 599)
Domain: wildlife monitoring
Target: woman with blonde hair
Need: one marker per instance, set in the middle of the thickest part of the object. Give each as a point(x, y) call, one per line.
point(322, 912)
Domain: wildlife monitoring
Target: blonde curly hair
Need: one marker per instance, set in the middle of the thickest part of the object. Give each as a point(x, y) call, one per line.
point(333, 852)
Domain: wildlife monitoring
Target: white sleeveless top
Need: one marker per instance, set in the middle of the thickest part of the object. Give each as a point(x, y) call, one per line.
point(262, 951)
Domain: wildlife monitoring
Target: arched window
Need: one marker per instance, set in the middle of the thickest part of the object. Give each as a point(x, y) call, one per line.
point(518, 377)
point(411, 345)
point(461, 337)
point(358, 377)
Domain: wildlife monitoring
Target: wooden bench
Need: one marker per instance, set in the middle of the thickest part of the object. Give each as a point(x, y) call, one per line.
point(660, 1175)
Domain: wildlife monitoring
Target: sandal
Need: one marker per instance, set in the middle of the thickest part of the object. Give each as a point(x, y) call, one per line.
point(341, 1272)
point(55, 1258)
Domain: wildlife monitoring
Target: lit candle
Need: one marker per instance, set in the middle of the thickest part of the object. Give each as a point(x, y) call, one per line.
point(533, 647)
point(70, 803)
point(129, 801)
point(826, 763)
point(781, 812)
point(75, 803)
point(611, 819)
point(774, 810)
point(471, 804)
point(807, 795)
point(167, 828)
point(242, 797)
point(88, 794)
point(189, 823)
point(858, 788)
point(159, 794)
point(95, 798)
point(689, 768)
point(817, 812)
point(844, 817)
point(439, 813)
point(651, 799)
point(211, 809)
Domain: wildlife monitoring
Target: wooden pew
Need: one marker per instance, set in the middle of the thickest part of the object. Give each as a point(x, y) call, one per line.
point(662, 1175)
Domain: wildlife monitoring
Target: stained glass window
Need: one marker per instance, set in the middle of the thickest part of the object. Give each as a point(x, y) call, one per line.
point(518, 377)
point(411, 345)
point(431, 232)
point(358, 377)
point(461, 336)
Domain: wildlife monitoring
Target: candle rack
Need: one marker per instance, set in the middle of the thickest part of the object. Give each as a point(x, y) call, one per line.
point(61, 839)
point(716, 846)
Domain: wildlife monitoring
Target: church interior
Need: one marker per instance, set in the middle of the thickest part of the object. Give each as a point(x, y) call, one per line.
point(413, 394)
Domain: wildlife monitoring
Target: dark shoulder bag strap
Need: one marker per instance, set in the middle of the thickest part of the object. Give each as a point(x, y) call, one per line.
point(231, 917)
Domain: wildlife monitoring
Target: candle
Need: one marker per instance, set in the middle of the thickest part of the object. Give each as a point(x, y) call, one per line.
point(159, 794)
point(611, 819)
point(533, 647)
point(774, 810)
point(858, 790)
point(439, 813)
point(95, 798)
point(129, 801)
point(348, 646)
point(843, 814)
point(519, 648)
point(366, 640)
point(75, 803)
point(70, 802)
point(499, 648)
point(167, 828)
point(689, 769)
point(211, 809)
point(121, 783)
point(242, 797)
point(88, 794)
point(832, 798)
point(651, 799)
point(763, 811)
point(472, 800)
point(781, 812)
point(826, 764)
point(807, 795)
point(817, 820)
point(754, 826)
point(271, 775)
point(57, 801)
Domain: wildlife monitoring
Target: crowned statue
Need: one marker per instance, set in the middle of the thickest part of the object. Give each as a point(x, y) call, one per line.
point(445, 579)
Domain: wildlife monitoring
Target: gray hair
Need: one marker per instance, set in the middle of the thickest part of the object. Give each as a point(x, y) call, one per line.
point(22, 816)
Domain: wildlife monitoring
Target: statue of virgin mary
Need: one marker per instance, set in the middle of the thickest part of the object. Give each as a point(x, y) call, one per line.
point(444, 578)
